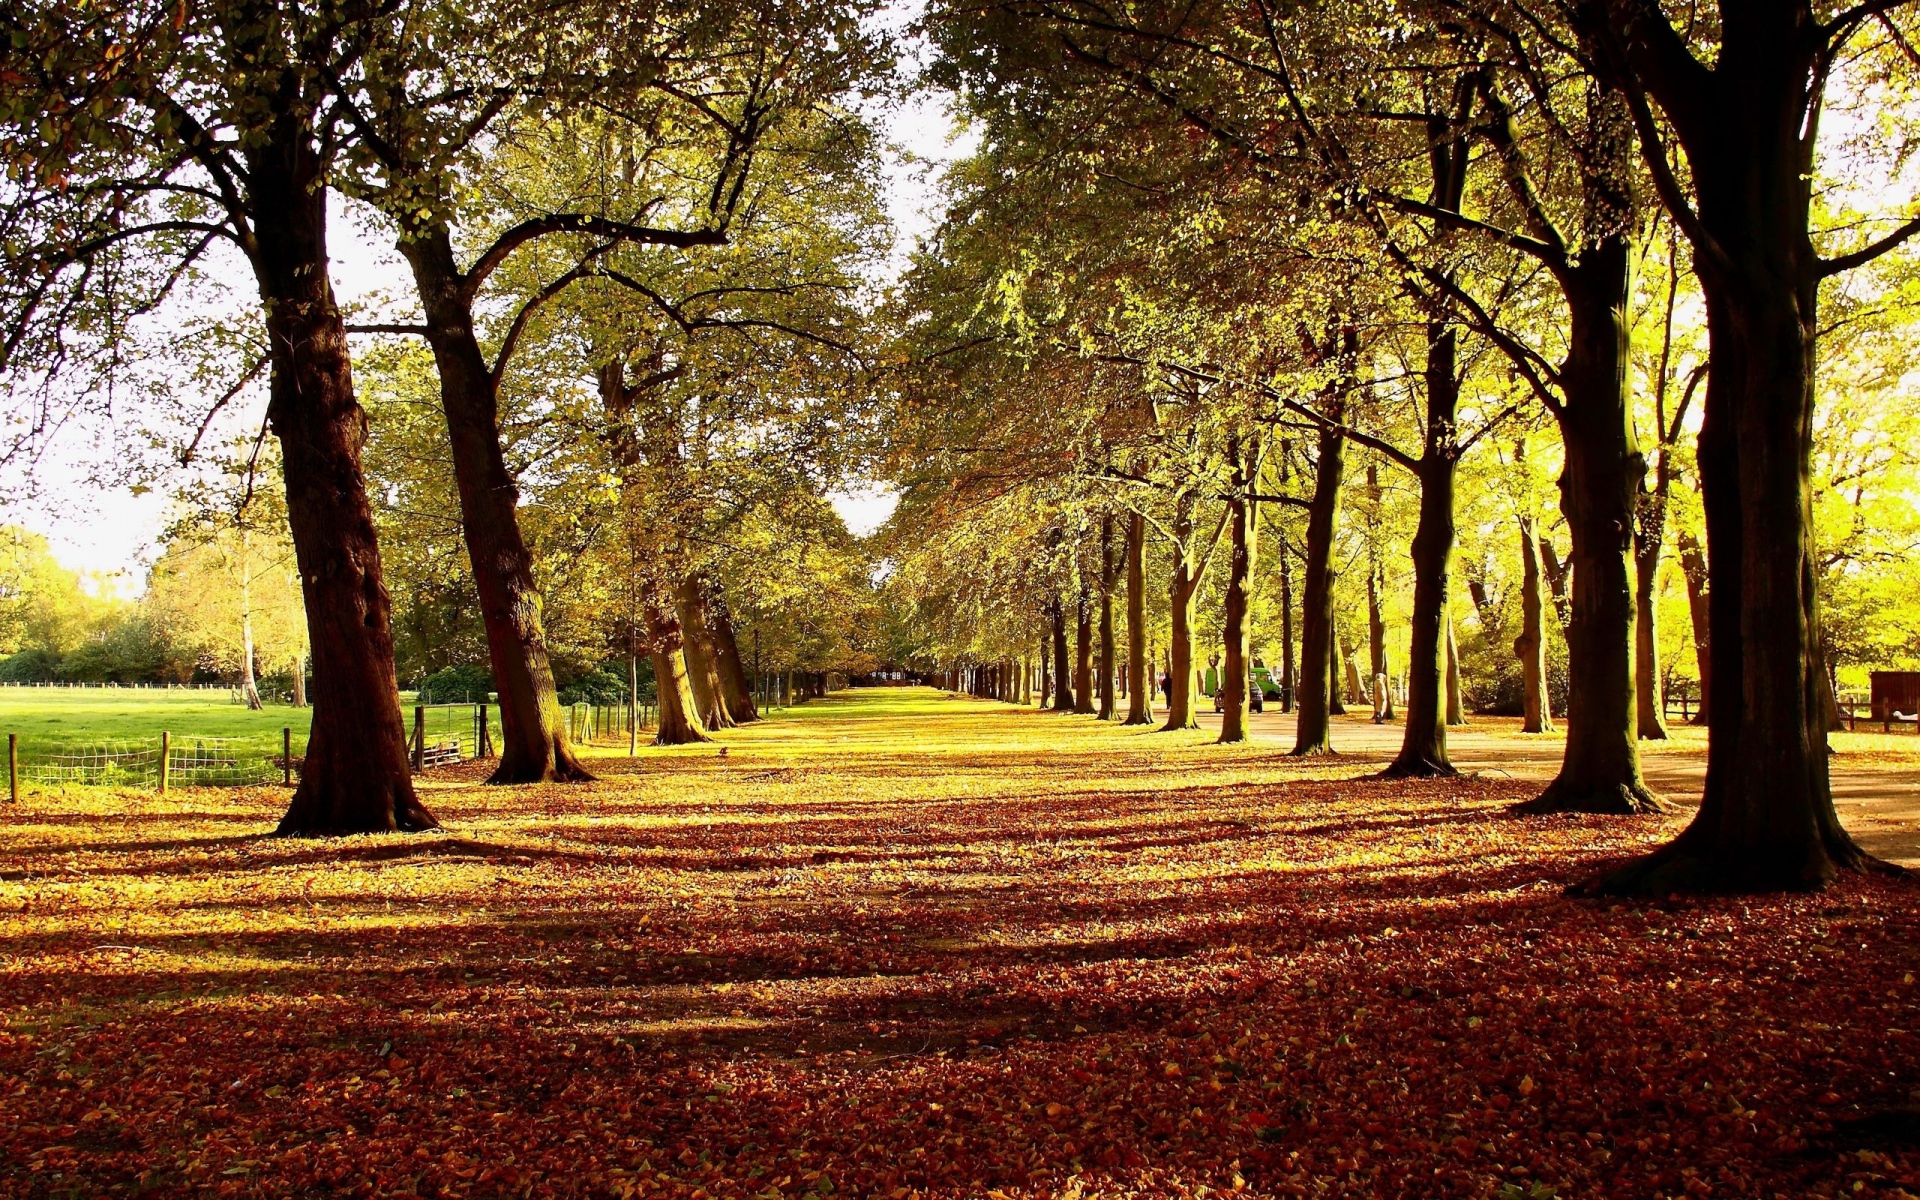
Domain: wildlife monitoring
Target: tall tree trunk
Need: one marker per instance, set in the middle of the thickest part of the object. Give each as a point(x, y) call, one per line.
point(703, 672)
point(533, 738)
point(1376, 625)
point(1456, 706)
point(1289, 685)
point(1650, 721)
point(1139, 665)
point(1336, 675)
point(1062, 671)
point(1531, 646)
point(1243, 524)
point(735, 691)
point(1556, 572)
point(1599, 495)
point(249, 685)
point(1083, 652)
point(356, 777)
point(1693, 566)
point(1423, 747)
point(1316, 696)
point(1748, 124)
point(1377, 642)
point(1181, 587)
point(1106, 673)
point(679, 720)
point(300, 681)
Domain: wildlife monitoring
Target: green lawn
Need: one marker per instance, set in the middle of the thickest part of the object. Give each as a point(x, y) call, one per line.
point(67, 716)
point(55, 724)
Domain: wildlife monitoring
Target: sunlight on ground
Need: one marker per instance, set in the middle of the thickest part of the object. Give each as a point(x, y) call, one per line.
point(898, 943)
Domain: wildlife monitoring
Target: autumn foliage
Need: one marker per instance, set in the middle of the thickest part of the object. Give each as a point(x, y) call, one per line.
point(903, 945)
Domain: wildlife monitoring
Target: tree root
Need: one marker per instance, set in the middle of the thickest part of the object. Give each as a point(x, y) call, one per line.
point(310, 816)
point(1417, 767)
point(1613, 799)
point(1681, 866)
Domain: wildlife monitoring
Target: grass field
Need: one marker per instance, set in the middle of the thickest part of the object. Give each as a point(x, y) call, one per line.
point(900, 945)
point(60, 722)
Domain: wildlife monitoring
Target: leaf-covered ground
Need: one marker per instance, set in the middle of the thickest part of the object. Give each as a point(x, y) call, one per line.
point(899, 945)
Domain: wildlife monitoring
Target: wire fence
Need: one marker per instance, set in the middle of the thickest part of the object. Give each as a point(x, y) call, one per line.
point(106, 764)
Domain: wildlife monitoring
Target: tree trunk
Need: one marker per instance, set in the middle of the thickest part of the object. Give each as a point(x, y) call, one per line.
point(299, 681)
point(735, 691)
point(1531, 646)
point(679, 720)
point(1288, 684)
point(1336, 681)
point(1185, 582)
point(1650, 720)
point(1377, 641)
point(1106, 672)
point(249, 685)
point(1423, 747)
point(1693, 566)
point(1316, 696)
point(703, 672)
point(1243, 523)
point(1556, 573)
point(1766, 820)
point(1083, 652)
point(1062, 672)
point(1139, 686)
point(1456, 706)
point(356, 777)
point(533, 737)
point(1599, 497)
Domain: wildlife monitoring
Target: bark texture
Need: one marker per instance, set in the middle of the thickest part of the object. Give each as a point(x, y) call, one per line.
point(1139, 686)
point(1599, 497)
point(1181, 711)
point(1104, 683)
point(533, 736)
point(1062, 670)
point(356, 777)
point(1531, 646)
point(1766, 821)
point(1316, 697)
point(1242, 524)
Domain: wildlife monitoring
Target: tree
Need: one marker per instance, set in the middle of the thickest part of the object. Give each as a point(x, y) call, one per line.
point(1741, 99)
point(215, 130)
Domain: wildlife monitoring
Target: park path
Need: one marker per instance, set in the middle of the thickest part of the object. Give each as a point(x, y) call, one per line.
point(1876, 777)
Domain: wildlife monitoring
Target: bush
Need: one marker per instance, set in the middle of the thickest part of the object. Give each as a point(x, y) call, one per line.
point(598, 686)
point(37, 664)
point(465, 684)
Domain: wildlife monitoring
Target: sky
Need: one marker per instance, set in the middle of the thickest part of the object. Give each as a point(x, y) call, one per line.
point(111, 535)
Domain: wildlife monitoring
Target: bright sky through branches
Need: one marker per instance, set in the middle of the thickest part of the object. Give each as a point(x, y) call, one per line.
point(114, 533)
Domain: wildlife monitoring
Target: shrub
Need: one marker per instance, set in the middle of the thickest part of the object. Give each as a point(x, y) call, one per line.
point(465, 684)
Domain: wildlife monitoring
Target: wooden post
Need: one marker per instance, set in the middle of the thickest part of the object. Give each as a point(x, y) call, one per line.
point(484, 739)
point(419, 737)
point(286, 755)
point(166, 758)
point(13, 768)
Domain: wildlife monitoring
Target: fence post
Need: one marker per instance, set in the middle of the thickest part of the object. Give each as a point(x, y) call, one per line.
point(13, 768)
point(419, 737)
point(286, 755)
point(166, 758)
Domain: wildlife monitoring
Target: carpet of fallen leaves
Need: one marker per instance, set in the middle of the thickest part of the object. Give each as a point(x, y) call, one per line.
point(900, 946)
